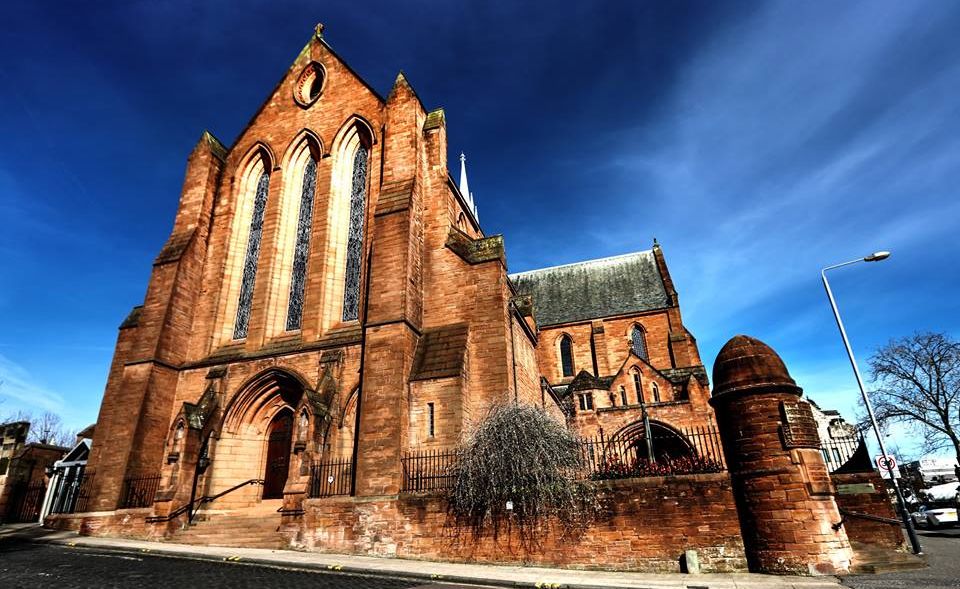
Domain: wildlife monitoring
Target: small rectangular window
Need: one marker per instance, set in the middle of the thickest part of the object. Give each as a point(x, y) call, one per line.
point(623, 396)
point(586, 402)
point(430, 411)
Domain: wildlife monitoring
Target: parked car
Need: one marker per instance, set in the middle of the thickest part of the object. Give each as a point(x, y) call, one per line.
point(935, 516)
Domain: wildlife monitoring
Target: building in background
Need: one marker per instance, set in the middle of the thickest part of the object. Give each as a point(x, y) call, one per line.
point(23, 477)
point(930, 471)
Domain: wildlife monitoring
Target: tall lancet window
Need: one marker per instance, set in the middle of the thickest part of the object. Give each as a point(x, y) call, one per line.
point(250, 259)
point(301, 252)
point(638, 343)
point(358, 198)
point(566, 355)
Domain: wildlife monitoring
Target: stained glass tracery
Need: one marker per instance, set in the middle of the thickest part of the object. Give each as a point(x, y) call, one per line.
point(250, 260)
point(638, 343)
point(358, 197)
point(302, 250)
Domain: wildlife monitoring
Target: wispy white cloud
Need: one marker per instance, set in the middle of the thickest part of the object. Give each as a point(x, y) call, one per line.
point(23, 391)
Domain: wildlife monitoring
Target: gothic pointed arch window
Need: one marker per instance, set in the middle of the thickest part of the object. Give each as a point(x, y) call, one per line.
point(346, 223)
point(243, 253)
point(288, 287)
point(566, 355)
point(358, 199)
point(637, 384)
point(638, 342)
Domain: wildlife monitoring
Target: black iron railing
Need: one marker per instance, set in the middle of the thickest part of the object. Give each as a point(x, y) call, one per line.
point(331, 477)
point(846, 454)
point(139, 491)
point(26, 497)
point(428, 470)
point(191, 508)
point(670, 452)
point(695, 450)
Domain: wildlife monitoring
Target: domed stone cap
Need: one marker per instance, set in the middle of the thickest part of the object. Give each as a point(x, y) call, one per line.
point(747, 365)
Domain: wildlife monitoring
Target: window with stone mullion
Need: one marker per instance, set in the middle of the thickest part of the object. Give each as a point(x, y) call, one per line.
point(250, 260)
point(302, 250)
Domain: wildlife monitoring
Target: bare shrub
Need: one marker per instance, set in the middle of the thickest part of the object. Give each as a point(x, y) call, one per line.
point(519, 457)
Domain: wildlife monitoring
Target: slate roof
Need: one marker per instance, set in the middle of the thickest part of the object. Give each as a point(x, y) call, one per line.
point(619, 285)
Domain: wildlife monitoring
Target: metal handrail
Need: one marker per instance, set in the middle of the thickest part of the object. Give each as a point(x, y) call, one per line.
point(188, 507)
point(845, 513)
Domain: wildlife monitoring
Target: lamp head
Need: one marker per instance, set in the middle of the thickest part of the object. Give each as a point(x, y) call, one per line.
point(877, 256)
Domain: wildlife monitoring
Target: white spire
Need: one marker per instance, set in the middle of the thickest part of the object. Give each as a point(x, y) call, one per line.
point(465, 187)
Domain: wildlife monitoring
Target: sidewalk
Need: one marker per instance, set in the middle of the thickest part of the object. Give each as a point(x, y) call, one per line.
point(503, 576)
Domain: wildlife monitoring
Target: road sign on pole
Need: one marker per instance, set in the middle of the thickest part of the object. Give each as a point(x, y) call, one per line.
point(887, 464)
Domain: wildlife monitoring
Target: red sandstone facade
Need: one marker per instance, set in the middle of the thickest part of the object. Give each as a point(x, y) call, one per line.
point(219, 379)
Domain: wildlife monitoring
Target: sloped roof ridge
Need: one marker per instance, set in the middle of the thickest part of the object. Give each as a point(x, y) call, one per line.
point(595, 261)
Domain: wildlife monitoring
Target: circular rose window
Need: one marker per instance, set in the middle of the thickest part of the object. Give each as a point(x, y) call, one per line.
point(309, 84)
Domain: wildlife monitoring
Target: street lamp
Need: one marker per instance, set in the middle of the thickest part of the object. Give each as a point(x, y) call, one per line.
point(874, 257)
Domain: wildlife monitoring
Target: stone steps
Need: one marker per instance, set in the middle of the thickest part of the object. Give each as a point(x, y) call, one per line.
point(254, 527)
point(868, 560)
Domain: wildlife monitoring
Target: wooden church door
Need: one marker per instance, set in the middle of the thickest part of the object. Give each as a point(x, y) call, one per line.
point(278, 455)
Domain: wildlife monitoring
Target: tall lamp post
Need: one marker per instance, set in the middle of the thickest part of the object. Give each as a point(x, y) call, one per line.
point(904, 515)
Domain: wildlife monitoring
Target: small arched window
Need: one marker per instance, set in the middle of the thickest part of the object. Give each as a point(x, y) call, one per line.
point(638, 385)
point(566, 355)
point(623, 396)
point(638, 342)
point(656, 392)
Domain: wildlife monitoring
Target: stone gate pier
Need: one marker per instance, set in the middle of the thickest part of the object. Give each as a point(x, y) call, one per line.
point(784, 495)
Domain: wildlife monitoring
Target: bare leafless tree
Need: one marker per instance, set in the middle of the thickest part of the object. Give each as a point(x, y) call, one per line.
point(519, 472)
point(918, 384)
point(48, 428)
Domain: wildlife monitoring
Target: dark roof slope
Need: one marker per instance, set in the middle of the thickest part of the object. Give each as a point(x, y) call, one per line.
point(619, 285)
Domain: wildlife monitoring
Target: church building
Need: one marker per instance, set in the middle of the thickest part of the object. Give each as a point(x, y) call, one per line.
point(328, 310)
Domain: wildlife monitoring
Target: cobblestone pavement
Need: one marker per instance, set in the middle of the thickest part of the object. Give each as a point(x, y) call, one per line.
point(30, 565)
point(942, 548)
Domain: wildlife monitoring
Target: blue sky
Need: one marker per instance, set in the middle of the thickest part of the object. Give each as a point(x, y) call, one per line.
point(757, 141)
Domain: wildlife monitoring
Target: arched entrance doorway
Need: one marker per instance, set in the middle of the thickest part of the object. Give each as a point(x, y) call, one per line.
point(279, 438)
point(256, 439)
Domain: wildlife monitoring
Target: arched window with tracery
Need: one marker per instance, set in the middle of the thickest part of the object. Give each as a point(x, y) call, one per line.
point(293, 241)
point(358, 199)
point(248, 229)
point(346, 222)
point(566, 355)
point(638, 342)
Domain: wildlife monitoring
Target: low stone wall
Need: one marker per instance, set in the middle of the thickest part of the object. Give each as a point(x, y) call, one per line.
point(865, 492)
point(648, 525)
point(122, 523)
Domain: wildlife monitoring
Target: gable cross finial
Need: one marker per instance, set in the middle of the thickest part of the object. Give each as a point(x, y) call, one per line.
point(319, 30)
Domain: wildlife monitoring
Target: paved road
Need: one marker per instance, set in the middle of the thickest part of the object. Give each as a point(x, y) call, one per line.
point(943, 555)
point(28, 565)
